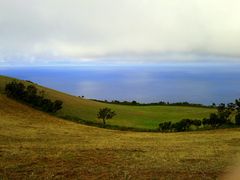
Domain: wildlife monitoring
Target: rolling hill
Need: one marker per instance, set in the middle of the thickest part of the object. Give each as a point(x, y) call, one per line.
point(35, 145)
point(147, 117)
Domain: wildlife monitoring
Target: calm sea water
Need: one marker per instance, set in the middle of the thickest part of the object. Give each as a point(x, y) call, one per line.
point(193, 83)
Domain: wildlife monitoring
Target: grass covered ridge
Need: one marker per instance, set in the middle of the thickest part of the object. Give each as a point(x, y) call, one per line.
point(34, 145)
point(145, 117)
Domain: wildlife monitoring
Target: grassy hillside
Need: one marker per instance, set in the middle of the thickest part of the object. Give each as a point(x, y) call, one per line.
point(131, 116)
point(35, 145)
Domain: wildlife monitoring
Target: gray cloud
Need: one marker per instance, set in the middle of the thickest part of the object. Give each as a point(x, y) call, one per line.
point(138, 30)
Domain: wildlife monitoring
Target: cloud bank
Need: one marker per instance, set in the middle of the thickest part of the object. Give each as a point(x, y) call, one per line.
point(80, 31)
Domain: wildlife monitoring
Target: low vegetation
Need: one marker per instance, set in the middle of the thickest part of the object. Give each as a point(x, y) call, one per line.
point(32, 96)
point(226, 116)
point(160, 103)
point(183, 125)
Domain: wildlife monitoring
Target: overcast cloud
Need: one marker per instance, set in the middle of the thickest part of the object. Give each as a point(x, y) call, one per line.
point(80, 31)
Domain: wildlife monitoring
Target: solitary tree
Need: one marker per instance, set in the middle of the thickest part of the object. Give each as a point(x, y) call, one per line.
point(105, 113)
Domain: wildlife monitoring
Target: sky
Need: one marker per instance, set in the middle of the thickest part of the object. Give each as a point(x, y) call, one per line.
point(35, 32)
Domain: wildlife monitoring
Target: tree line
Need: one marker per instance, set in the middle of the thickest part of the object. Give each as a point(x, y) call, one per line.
point(223, 117)
point(163, 103)
point(32, 96)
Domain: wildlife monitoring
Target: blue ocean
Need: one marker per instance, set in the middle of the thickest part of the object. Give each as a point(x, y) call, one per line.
point(195, 83)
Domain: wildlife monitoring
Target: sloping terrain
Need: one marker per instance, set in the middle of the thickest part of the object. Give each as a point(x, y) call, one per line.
point(35, 145)
point(147, 117)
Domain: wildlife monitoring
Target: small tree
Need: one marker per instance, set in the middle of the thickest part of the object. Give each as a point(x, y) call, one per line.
point(105, 113)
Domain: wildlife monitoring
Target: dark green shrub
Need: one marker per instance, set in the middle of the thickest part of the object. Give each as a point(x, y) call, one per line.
point(30, 95)
point(165, 126)
point(57, 105)
point(237, 119)
point(197, 123)
point(15, 90)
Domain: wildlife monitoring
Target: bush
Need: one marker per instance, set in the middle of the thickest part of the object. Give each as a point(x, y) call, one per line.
point(57, 105)
point(197, 123)
point(165, 126)
point(182, 125)
point(30, 95)
point(237, 119)
point(15, 90)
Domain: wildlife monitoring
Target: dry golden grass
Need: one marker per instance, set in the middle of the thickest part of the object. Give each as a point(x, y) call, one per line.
point(34, 145)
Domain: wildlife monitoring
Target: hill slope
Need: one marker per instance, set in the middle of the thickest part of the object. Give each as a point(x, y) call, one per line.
point(34, 145)
point(130, 116)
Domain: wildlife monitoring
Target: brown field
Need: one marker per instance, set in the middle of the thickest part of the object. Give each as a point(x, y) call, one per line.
point(35, 145)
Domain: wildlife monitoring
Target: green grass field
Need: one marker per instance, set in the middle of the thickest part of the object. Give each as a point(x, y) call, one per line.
point(147, 117)
point(35, 145)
